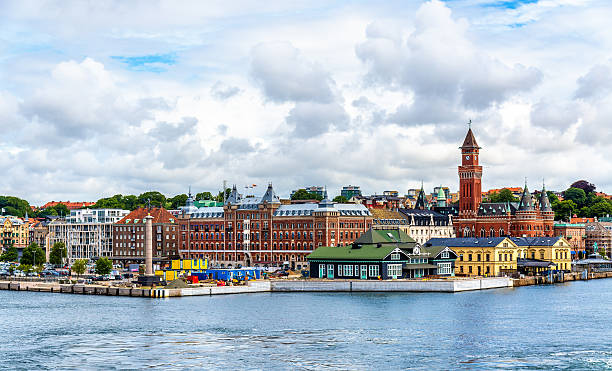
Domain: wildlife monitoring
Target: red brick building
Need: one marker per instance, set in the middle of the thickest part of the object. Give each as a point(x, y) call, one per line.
point(576, 235)
point(261, 231)
point(129, 236)
point(477, 219)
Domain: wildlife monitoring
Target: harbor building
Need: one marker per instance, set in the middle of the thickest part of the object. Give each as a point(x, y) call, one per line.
point(261, 231)
point(490, 256)
point(129, 236)
point(14, 232)
point(381, 254)
point(576, 235)
point(87, 233)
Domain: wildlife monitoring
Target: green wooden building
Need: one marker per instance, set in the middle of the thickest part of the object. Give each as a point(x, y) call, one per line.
point(380, 254)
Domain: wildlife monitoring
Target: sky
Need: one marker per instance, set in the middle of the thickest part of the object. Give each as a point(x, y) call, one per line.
point(100, 98)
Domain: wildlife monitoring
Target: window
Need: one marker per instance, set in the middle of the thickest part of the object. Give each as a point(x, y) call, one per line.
point(394, 270)
point(469, 257)
point(445, 268)
point(445, 254)
point(460, 257)
point(348, 270)
point(373, 270)
point(395, 256)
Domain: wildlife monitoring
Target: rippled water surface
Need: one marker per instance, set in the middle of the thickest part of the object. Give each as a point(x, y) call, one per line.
point(539, 327)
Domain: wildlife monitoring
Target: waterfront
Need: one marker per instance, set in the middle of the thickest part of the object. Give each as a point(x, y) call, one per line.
point(550, 326)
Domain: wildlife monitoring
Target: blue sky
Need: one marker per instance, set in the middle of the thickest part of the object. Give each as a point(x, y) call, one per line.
point(99, 98)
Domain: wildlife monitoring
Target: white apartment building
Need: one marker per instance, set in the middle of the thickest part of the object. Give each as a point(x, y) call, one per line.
point(87, 233)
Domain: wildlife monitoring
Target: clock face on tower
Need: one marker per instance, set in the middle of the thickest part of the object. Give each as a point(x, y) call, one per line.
point(467, 157)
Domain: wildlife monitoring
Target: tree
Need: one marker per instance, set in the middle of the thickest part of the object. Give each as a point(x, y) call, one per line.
point(33, 255)
point(504, 195)
point(577, 195)
point(157, 199)
point(61, 209)
point(177, 201)
point(552, 197)
point(302, 194)
point(79, 266)
point(564, 209)
point(104, 266)
point(340, 199)
point(15, 206)
point(10, 254)
point(219, 197)
point(204, 196)
point(584, 185)
point(58, 253)
point(599, 209)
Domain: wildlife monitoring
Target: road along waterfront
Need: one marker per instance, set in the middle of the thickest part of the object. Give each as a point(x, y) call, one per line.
point(544, 326)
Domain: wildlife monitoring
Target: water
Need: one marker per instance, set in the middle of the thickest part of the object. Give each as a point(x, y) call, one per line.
point(538, 327)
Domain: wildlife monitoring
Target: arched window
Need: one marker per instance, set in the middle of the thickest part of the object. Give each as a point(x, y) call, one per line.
point(483, 233)
point(492, 232)
point(501, 232)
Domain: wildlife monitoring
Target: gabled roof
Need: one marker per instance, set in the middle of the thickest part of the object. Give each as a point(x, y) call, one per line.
point(367, 252)
point(384, 236)
point(470, 140)
point(270, 197)
point(434, 251)
point(160, 215)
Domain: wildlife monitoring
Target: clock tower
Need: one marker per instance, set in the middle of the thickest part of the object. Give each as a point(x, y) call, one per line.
point(470, 174)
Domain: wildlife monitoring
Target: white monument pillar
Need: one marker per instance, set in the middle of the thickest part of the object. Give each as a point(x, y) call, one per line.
point(148, 245)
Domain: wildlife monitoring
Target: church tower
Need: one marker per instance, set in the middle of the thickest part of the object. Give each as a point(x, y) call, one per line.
point(470, 174)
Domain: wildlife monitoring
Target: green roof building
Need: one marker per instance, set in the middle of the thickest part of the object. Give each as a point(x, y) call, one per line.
point(381, 254)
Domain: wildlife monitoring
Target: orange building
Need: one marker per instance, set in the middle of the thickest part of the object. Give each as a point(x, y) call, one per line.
point(68, 204)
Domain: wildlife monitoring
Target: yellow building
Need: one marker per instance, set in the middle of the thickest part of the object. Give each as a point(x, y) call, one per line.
point(492, 256)
point(14, 231)
point(557, 250)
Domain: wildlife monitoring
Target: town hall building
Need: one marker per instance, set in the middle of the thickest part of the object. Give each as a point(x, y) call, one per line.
point(525, 218)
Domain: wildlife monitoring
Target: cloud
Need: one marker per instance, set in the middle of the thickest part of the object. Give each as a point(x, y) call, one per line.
point(311, 119)
point(223, 91)
point(165, 131)
point(554, 115)
point(440, 65)
point(82, 99)
point(236, 146)
point(284, 74)
point(596, 83)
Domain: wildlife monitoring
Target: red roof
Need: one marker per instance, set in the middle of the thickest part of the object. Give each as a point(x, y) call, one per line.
point(69, 205)
point(159, 215)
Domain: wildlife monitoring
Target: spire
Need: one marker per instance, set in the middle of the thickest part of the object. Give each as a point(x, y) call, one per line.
point(420, 203)
point(270, 197)
point(525, 204)
point(234, 197)
point(470, 140)
point(190, 202)
point(544, 201)
point(325, 202)
point(441, 199)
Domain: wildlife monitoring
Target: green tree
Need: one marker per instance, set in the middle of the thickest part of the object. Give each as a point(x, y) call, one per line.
point(15, 206)
point(33, 255)
point(302, 194)
point(157, 199)
point(219, 197)
point(204, 196)
point(340, 199)
point(599, 209)
point(577, 195)
point(103, 266)
point(564, 209)
point(178, 201)
point(504, 195)
point(58, 253)
point(79, 266)
point(10, 254)
point(61, 209)
point(552, 197)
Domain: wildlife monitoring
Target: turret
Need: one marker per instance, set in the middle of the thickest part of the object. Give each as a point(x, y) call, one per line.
point(526, 203)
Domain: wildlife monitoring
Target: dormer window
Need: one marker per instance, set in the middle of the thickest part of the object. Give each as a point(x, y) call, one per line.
point(395, 256)
point(445, 254)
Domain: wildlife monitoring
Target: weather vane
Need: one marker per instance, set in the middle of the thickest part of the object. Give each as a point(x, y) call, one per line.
point(470, 123)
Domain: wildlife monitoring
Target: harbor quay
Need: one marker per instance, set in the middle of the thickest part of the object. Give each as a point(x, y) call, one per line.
point(306, 285)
